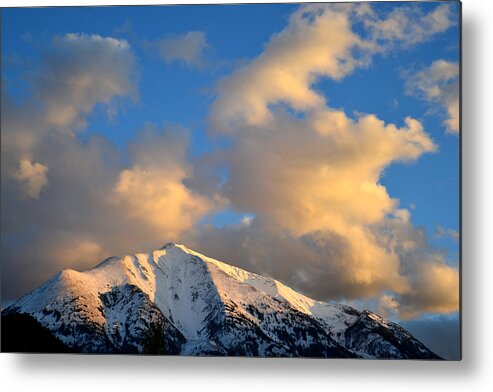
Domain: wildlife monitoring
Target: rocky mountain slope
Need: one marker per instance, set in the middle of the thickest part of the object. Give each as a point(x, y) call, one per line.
point(177, 301)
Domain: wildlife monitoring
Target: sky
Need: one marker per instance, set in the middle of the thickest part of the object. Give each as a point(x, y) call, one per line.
point(317, 144)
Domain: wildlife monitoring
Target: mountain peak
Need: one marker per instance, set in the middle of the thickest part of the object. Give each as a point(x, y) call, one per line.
point(208, 306)
point(171, 245)
point(168, 245)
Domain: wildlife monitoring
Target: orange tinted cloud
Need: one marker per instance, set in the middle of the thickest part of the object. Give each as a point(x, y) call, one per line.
point(311, 173)
point(32, 177)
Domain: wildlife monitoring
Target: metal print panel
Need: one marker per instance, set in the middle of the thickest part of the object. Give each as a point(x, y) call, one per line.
point(263, 180)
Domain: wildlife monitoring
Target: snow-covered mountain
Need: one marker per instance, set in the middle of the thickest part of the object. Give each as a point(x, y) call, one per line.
point(177, 301)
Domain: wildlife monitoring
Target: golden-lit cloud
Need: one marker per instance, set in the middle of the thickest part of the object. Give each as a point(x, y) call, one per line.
point(32, 177)
point(288, 67)
point(319, 41)
point(77, 251)
point(433, 282)
point(306, 176)
point(152, 191)
point(92, 202)
point(310, 174)
point(436, 290)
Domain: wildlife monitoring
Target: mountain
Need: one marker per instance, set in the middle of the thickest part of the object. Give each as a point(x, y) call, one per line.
point(177, 301)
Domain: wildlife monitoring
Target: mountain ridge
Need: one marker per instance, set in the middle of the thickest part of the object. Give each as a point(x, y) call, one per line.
point(191, 304)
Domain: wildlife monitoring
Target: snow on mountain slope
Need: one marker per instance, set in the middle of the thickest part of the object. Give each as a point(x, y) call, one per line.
point(334, 317)
point(203, 307)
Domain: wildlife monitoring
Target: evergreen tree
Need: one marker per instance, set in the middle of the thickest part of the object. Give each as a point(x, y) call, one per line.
point(154, 341)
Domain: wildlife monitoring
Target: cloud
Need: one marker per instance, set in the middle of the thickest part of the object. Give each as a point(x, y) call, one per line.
point(76, 73)
point(34, 254)
point(324, 170)
point(440, 333)
point(441, 232)
point(188, 48)
point(409, 25)
point(310, 174)
point(435, 290)
point(319, 41)
point(79, 71)
point(433, 281)
point(98, 202)
point(322, 264)
point(306, 176)
point(96, 205)
point(152, 190)
point(438, 83)
point(409, 278)
point(32, 176)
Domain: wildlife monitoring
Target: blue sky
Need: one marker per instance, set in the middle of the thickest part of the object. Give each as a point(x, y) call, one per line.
point(181, 95)
point(173, 93)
